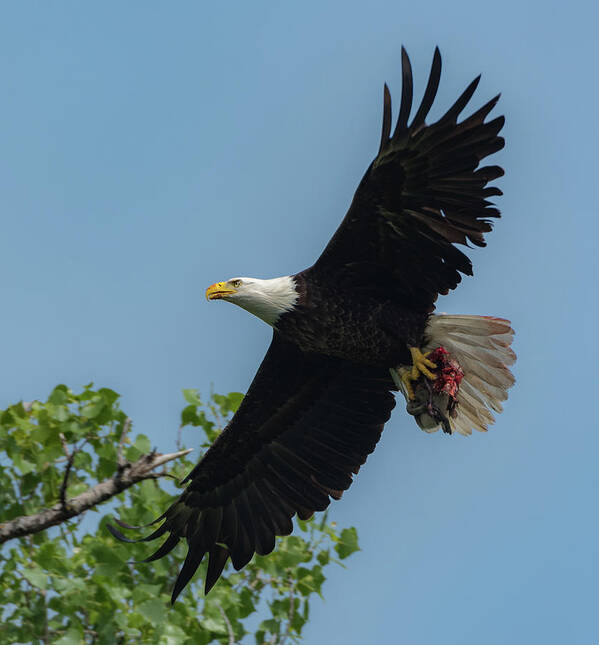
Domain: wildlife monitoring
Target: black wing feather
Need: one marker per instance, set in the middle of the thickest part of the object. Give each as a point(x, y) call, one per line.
point(420, 196)
point(217, 559)
point(386, 130)
point(407, 91)
point(430, 92)
point(305, 426)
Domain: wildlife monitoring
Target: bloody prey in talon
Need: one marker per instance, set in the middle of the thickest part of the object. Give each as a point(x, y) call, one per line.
point(435, 401)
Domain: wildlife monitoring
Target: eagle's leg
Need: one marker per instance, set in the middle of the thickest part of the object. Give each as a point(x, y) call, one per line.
point(405, 374)
point(420, 365)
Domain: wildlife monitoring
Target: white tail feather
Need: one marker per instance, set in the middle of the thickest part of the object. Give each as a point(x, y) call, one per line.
point(481, 345)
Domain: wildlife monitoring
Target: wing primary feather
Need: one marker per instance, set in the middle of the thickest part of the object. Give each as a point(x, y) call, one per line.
point(488, 173)
point(119, 536)
point(430, 92)
point(386, 118)
point(190, 566)
point(278, 519)
point(263, 532)
point(217, 559)
point(294, 495)
point(161, 530)
point(141, 526)
point(228, 528)
point(480, 115)
point(274, 498)
point(244, 548)
point(281, 508)
point(212, 525)
point(304, 513)
point(455, 110)
point(167, 546)
point(266, 514)
point(246, 510)
point(265, 537)
point(407, 90)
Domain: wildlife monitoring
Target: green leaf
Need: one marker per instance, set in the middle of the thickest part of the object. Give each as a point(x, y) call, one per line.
point(172, 635)
point(323, 557)
point(189, 416)
point(108, 561)
point(154, 610)
point(106, 467)
point(52, 557)
point(234, 400)
point(18, 410)
point(229, 403)
point(272, 626)
point(145, 592)
point(36, 577)
point(68, 585)
point(142, 443)
point(348, 543)
point(93, 408)
point(109, 396)
point(293, 551)
point(59, 395)
point(309, 580)
point(73, 636)
point(82, 460)
point(192, 396)
point(23, 464)
point(108, 451)
point(58, 412)
point(247, 604)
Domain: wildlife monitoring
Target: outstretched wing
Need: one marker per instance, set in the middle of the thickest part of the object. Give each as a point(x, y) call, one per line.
point(422, 194)
point(304, 428)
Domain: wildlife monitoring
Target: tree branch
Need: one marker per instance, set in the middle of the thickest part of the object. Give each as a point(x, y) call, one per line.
point(227, 623)
point(290, 614)
point(127, 476)
point(65, 480)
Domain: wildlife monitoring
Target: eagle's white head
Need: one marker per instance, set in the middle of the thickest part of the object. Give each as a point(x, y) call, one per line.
point(267, 299)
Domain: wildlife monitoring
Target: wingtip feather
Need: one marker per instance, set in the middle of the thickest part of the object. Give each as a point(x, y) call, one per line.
point(217, 559)
point(407, 90)
point(430, 92)
point(386, 128)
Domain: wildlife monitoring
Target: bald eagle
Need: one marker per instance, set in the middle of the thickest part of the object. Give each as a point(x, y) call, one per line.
point(350, 331)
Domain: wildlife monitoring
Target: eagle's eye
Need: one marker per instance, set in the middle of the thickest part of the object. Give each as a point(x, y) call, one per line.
point(236, 283)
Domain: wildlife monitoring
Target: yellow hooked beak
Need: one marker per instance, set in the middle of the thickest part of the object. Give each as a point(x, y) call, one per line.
point(219, 290)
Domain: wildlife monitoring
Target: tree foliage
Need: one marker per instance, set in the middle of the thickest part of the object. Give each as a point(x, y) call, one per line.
point(74, 583)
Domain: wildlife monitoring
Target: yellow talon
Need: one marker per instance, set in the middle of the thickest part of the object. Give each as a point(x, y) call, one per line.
point(419, 357)
point(405, 374)
point(420, 365)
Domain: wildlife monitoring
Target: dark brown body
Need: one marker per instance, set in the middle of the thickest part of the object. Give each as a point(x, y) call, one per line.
point(344, 324)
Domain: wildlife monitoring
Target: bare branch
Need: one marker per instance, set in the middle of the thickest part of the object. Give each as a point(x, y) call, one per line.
point(67, 471)
point(163, 459)
point(291, 612)
point(227, 623)
point(130, 474)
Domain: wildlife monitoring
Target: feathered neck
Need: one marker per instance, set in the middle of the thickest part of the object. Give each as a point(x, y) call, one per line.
point(267, 299)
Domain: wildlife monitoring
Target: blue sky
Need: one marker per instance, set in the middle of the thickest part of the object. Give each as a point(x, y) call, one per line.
point(150, 149)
